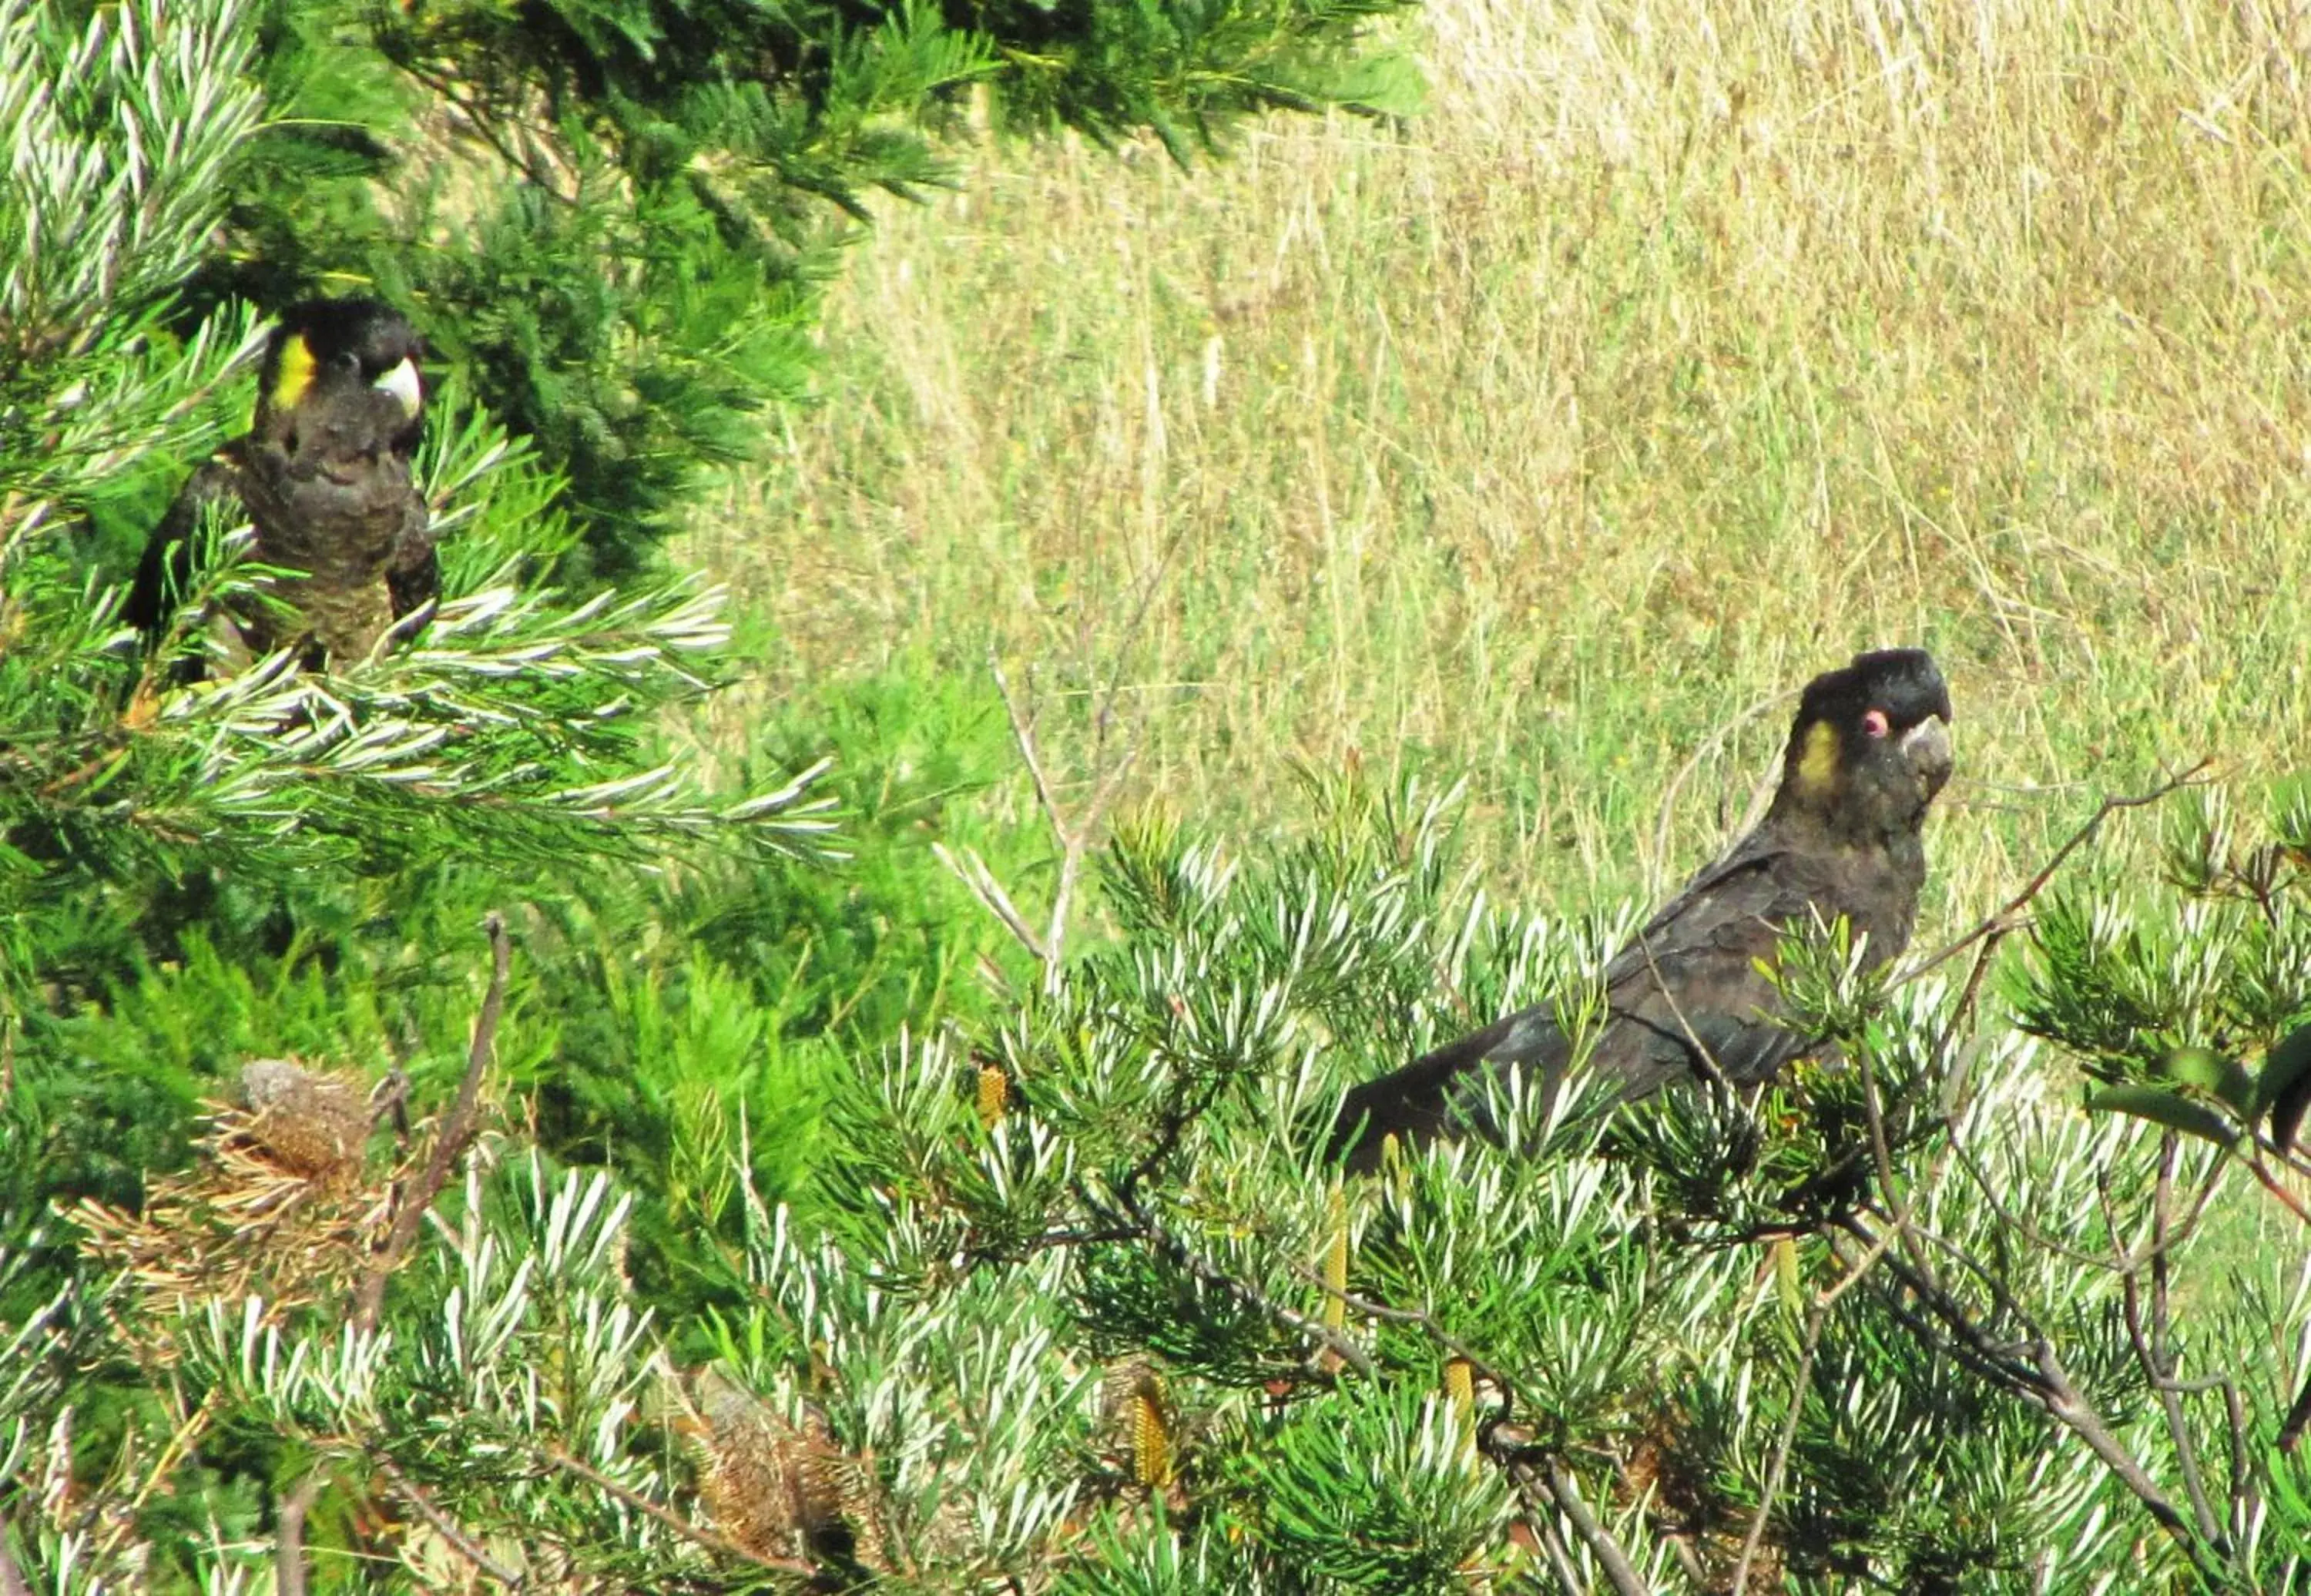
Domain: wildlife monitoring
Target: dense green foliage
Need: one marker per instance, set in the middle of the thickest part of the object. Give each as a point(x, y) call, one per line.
point(1918, 1323)
point(637, 197)
point(762, 1220)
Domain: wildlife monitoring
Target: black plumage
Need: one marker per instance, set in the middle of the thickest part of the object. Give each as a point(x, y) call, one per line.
point(323, 478)
point(1868, 751)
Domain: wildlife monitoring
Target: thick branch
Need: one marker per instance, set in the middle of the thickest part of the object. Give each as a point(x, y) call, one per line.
point(1602, 1544)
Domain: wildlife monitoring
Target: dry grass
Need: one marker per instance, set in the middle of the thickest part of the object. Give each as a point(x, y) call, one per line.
point(1680, 350)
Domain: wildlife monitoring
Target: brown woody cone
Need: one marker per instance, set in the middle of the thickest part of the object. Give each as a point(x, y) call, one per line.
point(775, 1487)
point(307, 1122)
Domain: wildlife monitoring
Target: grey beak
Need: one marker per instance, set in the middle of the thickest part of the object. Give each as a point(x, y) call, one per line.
point(406, 387)
point(1927, 748)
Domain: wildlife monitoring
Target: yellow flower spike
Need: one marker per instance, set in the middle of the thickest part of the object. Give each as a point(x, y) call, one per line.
point(1785, 1276)
point(1461, 1391)
point(1151, 1441)
point(1336, 1258)
point(994, 1092)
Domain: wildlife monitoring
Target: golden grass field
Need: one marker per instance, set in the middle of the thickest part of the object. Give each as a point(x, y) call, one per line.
point(1675, 352)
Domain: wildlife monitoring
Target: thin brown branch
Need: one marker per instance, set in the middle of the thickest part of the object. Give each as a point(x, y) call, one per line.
point(1539, 1510)
point(289, 1536)
point(1881, 1147)
point(671, 1519)
point(2148, 1342)
point(1985, 1189)
point(448, 1528)
point(1070, 838)
point(181, 1440)
point(1783, 1444)
point(1477, 1364)
point(1138, 1224)
point(458, 1129)
point(1718, 736)
point(1552, 1544)
point(1315, 1330)
point(1702, 1056)
point(2041, 1380)
point(2298, 1419)
point(2006, 919)
point(2245, 1503)
point(1071, 861)
point(1023, 734)
point(971, 870)
point(2271, 1184)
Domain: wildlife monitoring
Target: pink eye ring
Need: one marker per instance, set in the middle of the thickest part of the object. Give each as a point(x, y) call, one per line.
point(1874, 723)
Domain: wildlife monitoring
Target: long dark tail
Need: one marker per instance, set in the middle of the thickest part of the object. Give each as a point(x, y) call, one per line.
point(1414, 1104)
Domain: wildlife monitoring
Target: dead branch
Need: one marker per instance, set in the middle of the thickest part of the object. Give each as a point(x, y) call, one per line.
point(2006, 919)
point(671, 1519)
point(458, 1129)
point(1567, 1495)
point(448, 1528)
point(1776, 1466)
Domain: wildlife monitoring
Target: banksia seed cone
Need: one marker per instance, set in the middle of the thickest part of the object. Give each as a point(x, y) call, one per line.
point(1336, 1272)
point(308, 1124)
point(776, 1487)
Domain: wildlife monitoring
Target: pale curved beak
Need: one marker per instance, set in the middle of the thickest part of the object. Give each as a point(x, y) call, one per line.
point(1927, 748)
point(403, 383)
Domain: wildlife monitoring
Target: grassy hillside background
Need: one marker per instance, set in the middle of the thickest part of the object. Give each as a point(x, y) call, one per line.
point(1676, 352)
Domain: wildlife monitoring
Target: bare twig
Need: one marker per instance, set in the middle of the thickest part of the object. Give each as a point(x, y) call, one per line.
point(2158, 1361)
point(1702, 1056)
point(463, 1544)
point(458, 1132)
point(1815, 1316)
point(2032, 1370)
point(289, 1536)
point(2271, 1183)
point(973, 872)
point(1478, 1367)
point(2006, 919)
point(1716, 739)
point(2298, 1419)
point(1552, 1544)
point(1211, 1274)
point(1073, 836)
point(1519, 1468)
point(181, 1440)
point(671, 1520)
point(458, 1129)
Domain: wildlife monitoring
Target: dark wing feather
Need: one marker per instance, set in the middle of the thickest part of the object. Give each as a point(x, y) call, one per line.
point(1703, 947)
point(166, 571)
point(1687, 996)
point(1415, 1104)
point(413, 574)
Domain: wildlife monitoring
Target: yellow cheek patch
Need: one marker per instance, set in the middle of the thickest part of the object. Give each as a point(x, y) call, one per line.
point(1818, 764)
point(296, 375)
